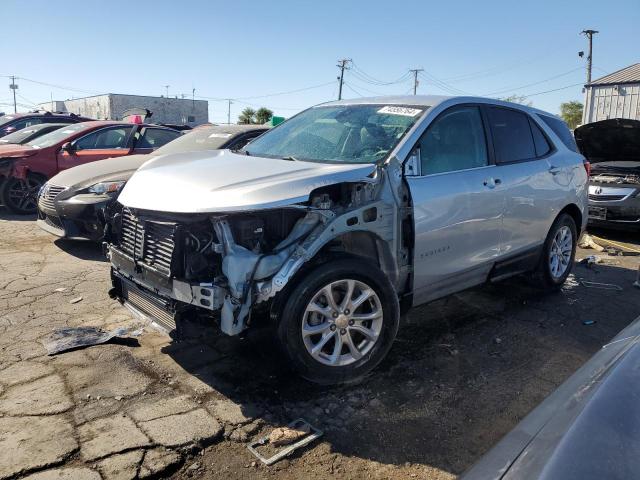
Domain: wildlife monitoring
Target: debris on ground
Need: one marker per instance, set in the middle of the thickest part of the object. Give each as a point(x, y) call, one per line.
point(69, 338)
point(602, 286)
point(75, 300)
point(285, 435)
point(587, 241)
point(296, 435)
point(588, 322)
point(591, 260)
point(61, 289)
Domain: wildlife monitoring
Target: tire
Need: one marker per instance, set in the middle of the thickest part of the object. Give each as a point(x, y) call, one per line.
point(362, 344)
point(553, 275)
point(21, 196)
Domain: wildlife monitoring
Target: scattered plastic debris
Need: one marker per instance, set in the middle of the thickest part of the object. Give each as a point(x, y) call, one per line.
point(70, 338)
point(591, 260)
point(602, 286)
point(587, 241)
point(75, 300)
point(286, 435)
point(61, 289)
point(305, 434)
point(588, 322)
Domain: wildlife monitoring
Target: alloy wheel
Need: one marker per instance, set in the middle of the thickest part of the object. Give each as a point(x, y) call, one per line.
point(23, 194)
point(560, 252)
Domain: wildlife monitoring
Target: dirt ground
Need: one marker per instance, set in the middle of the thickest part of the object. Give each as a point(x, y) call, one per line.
point(462, 373)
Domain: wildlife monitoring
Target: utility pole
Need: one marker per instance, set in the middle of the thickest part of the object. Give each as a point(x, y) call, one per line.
point(589, 34)
point(167, 90)
point(415, 72)
point(193, 99)
point(229, 111)
point(14, 87)
point(342, 65)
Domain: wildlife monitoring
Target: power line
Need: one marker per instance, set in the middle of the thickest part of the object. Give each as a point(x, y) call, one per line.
point(505, 90)
point(365, 77)
point(553, 90)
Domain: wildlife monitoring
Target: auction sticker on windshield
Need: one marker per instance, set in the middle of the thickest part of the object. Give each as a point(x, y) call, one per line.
point(404, 111)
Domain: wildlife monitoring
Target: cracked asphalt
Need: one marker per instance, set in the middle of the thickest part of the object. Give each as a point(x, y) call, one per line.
point(462, 373)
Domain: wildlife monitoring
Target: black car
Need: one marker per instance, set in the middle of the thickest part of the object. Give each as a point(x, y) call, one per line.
point(613, 148)
point(20, 137)
point(18, 121)
point(72, 204)
point(588, 429)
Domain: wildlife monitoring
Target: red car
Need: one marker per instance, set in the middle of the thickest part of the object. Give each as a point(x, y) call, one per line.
point(25, 168)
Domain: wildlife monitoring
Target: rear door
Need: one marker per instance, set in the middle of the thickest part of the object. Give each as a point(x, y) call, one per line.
point(106, 142)
point(521, 154)
point(457, 201)
point(151, 138)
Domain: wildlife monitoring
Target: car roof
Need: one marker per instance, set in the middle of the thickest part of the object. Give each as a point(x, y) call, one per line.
point(431, 101)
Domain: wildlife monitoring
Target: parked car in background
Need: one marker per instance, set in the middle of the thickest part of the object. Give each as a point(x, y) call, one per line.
point(72, 204)
point(18, 121)
point(613, 148)
point(25, 168)
point(339, 216)
point(20, 137)
point(588, 429)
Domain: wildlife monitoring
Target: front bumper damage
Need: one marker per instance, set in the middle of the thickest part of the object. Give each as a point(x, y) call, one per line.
point(80, 217)
point(155, 277)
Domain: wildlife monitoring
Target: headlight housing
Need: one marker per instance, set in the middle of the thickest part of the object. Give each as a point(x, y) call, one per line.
point(106, 187)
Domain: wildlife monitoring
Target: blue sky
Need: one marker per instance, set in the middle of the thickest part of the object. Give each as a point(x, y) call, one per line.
point(243, 49)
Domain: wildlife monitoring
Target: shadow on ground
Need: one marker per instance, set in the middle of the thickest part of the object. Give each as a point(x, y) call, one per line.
point(84, 250)
point(462, 372)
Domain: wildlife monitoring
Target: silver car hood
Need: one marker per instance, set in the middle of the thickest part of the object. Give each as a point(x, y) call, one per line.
point(118, 168)
point(223, 181)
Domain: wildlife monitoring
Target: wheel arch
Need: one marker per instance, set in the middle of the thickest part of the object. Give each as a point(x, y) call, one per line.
point(575, 213)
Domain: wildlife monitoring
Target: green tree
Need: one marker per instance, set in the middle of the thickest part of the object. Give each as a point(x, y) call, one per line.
point(521, 99)
point(571, 112)
point(247, 116)
point(263, 115)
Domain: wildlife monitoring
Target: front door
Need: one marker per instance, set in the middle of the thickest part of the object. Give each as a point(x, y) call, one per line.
point(103, 143)
point(458, 203)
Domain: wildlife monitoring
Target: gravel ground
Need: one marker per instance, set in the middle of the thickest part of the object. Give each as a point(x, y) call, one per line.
point(462, 373)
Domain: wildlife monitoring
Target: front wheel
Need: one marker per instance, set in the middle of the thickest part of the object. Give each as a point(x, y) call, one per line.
point(339, 321)
point(21, 195)
point(559, 252)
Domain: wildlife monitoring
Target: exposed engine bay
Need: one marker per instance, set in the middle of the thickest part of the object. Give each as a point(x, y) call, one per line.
point(165, 264)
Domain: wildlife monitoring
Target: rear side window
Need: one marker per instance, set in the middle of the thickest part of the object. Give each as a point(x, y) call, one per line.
point(156, 137)
point(512, 138)
point(540, 141)
point(561, 129)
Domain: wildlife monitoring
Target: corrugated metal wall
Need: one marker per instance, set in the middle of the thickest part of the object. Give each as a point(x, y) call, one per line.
point(610, 101)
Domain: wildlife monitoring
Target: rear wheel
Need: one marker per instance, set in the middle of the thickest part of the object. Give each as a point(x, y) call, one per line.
point(21, 195)
point(339, 321)
point(559, 252)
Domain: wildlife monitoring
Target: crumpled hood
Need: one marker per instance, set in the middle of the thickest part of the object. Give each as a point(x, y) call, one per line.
point(16, 151)
point(223, 181)
point(111, 169)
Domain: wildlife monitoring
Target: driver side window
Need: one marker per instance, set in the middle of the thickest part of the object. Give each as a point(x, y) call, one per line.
point(106, 138)
point(454, 141)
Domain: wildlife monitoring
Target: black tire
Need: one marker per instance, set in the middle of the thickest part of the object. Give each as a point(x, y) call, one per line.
point(548, 279)
point(21, 196)
point(306, 287)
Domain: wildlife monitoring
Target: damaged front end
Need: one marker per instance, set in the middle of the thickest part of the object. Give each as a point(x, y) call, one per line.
point(166, 266)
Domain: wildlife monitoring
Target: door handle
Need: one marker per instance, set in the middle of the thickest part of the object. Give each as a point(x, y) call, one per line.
point(554, 170)
point(492, 182)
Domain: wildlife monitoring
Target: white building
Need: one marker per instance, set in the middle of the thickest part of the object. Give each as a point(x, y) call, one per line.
point(114, 106)
point(616, 95)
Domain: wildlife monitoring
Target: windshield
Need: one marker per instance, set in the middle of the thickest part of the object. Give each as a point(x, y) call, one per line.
point(341, 134)
point(56, 136)
point(19, 136)
point(6, 119)
point(203, 138)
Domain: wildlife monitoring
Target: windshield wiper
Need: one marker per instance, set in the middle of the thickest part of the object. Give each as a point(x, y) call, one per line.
point(290, 158)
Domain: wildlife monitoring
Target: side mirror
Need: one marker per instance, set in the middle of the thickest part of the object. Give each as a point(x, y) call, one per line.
point(412, 164)
point(67, 147)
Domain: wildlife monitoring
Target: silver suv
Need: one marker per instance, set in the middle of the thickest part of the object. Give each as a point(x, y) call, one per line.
point(344, 216)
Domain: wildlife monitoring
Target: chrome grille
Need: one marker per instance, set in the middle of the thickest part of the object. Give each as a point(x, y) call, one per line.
point(151, 242)
point(48, 195)
point(605, 198)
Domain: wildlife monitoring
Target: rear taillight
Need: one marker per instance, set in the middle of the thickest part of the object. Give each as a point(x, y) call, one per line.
point(587, 167)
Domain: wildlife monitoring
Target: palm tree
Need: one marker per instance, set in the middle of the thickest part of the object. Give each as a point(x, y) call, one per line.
point(247, 116)
point(263, 115)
